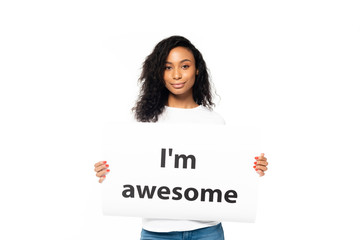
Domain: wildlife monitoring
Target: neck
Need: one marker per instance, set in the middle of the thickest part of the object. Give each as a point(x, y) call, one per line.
point(179, 101)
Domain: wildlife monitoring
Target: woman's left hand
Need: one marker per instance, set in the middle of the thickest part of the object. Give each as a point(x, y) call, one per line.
point(261, 164)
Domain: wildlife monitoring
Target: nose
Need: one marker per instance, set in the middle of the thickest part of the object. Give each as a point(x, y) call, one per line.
point(176, 74)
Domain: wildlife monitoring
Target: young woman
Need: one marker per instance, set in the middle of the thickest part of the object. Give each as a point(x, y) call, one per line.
point(176, 89)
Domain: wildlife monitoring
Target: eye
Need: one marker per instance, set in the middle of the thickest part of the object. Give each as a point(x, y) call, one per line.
point(185, 66)
point(167, 67)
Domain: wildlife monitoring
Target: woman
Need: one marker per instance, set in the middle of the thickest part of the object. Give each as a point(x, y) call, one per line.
point(176, 89)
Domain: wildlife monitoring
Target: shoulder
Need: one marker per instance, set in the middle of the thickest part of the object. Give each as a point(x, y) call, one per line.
point(211, 116)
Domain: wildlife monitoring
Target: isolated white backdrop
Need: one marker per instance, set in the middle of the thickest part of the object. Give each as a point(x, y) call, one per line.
point(290, 67)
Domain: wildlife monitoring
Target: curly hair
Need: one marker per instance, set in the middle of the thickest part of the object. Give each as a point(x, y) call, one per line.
point(153, 93)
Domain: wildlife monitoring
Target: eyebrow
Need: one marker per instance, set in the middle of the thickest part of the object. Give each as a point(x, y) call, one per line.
point(180, 61)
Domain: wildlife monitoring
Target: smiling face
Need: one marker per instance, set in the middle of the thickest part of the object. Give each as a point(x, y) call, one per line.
point(180, 72)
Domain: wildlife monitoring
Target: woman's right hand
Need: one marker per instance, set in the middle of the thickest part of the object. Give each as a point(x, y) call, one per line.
point(101, 169)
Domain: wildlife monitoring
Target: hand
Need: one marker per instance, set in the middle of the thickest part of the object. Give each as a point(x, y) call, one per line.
point(260, 164)
point(101, 169)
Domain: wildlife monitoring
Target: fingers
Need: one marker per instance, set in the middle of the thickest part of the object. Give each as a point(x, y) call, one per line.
point(261, 160)
point(261, 157)
point(259, 167)
point(101, 169)
point(102, 172)
point(262, 168)
point(99, 163)
point(263, 163)
point(260, 164)
point(261, 173)
point(102, 179)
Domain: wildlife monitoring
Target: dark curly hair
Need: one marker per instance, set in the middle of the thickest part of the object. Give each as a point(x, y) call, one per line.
point(153, 93)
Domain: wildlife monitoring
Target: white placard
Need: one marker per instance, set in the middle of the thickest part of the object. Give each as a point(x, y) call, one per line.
point(174, 171)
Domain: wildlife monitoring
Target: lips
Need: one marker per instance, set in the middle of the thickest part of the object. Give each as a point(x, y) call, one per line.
point(178, 85)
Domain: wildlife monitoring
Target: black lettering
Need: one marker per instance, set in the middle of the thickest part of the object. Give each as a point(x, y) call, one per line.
point(230, 194)
point(186, 194)
point(146, 191)
point(190, 194)
point(211, 194)
point(163, 152)
point(185, 160)
point(178, 194)
point(163, 190)
point(129, 192)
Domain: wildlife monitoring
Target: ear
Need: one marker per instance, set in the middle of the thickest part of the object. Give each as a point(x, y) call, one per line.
point(197, 71)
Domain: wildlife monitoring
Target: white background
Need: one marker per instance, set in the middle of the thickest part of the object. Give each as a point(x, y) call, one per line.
point(290, 67)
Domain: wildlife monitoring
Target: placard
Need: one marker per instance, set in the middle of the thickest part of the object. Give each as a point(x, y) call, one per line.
point(174, 171)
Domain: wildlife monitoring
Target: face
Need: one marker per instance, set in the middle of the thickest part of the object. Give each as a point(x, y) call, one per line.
point(180, 71)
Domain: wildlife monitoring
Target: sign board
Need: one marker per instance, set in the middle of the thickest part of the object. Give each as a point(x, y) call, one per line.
point(174, 171)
